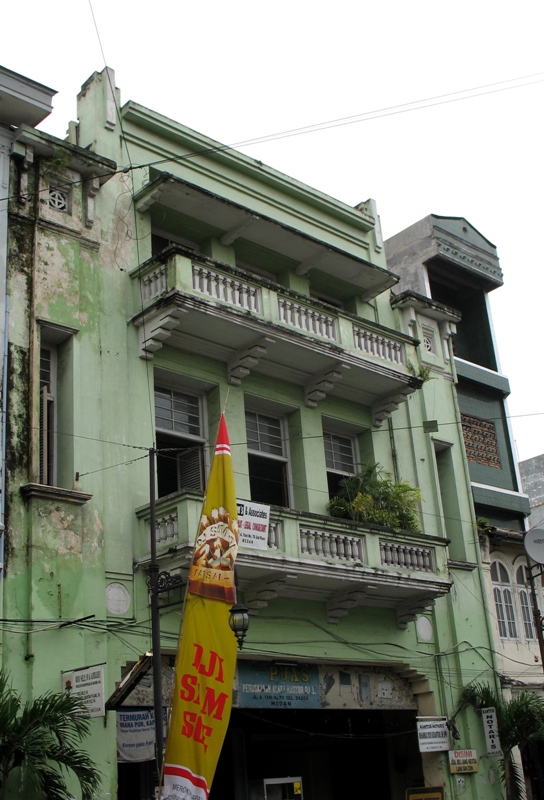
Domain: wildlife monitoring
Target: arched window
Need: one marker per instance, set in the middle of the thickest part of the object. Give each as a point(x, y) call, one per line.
point(504, 601)
point(524, 602)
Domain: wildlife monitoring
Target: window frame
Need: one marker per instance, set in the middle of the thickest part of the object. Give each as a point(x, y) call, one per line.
point(54, 406)
point(525, 602)
point(503, 595)
point(48, 416)
point(199, 441)
point(335, 475)
point(263, 455)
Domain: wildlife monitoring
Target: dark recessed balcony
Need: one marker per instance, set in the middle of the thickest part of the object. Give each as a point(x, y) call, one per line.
point(307, 240)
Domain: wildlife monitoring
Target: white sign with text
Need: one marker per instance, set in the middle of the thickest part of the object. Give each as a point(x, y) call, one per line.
point(491, 730)
point(87, 684)
point(253, 523)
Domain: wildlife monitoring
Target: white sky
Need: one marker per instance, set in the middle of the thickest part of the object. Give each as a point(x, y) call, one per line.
point(236, 71)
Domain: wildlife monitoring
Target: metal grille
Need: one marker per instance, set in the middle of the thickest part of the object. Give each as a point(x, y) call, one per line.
point(177, 412)
point(339, 453)
point(264, 434)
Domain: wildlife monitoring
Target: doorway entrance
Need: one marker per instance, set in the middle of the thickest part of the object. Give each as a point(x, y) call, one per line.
point(328, 751)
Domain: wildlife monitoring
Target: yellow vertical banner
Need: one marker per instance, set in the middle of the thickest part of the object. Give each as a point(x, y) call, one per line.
point(206, 660)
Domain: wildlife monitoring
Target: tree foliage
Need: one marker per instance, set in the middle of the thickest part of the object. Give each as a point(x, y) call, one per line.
point(42, 738)
point(373, 496)
point(520, 721)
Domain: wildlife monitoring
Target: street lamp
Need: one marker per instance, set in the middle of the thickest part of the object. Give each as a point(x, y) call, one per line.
point(239, 622)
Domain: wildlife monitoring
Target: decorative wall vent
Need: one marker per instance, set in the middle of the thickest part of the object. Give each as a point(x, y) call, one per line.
point(481, 443)
point(58, 199)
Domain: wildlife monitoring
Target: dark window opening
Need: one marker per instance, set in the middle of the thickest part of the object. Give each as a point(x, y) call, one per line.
point(267, 462)
point(180, 460)
point(180, 465)
point(47, 417)
point(267, 480)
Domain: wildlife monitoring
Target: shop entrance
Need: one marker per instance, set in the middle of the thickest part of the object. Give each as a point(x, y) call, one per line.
point(328, 751)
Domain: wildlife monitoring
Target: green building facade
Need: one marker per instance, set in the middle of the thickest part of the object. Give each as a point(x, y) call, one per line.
point(156, 278)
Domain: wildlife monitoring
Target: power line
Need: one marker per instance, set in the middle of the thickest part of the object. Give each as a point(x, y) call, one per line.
point(415, 105)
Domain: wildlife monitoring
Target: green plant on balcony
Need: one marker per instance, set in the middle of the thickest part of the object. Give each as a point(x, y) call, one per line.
point(373, 496)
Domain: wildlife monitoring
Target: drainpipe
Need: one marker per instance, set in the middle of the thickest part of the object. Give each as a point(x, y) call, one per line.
point(537, 616)
point(394, 456)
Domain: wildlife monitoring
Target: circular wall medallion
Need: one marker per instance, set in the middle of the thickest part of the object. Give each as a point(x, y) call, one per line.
point(117, 598)
point(424, 629)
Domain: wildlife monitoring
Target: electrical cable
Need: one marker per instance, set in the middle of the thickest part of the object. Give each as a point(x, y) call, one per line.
point(362, 117)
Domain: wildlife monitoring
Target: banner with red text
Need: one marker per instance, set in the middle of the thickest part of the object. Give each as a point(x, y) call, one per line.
point(207, 652)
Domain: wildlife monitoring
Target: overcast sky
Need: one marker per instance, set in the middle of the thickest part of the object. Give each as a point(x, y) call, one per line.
point(241, 70)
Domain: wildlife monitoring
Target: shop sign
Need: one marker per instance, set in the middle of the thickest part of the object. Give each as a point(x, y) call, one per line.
point(136, 735)
point(432, 734)
point(491, 731)
point(88, 685)
point(253, 523)
point(269, 685)
point(463, 761)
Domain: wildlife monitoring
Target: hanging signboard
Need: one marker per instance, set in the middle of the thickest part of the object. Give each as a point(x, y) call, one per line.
point(463, 761)
point(136, 734)
point(432, 734)
point(88, 685)
point(253, 523)
point(491, 731)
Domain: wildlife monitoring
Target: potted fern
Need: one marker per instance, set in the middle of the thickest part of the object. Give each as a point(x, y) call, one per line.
point(373, 496)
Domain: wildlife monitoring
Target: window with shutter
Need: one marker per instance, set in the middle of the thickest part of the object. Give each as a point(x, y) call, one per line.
point(180, 441)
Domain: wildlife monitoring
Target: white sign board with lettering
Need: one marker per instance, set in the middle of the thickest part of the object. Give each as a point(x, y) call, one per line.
point(432, 734)
point(253, 522)
point(88, 684)
point(491, 730)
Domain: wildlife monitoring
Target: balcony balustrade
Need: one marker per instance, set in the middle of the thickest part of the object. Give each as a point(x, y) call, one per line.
point(307, 319)
point(223, 287)
point(199, 298)
point(313, 557)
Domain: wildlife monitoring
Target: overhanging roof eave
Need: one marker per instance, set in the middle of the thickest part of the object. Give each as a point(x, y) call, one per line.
point(319, 254)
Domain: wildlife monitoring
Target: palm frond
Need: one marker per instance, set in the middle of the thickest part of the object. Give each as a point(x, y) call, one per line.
point(42, 738)
point(513, 778)
point(519, 721)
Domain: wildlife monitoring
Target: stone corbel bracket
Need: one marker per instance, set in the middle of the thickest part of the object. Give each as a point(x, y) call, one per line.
point(407, 612)
point(155, 329)
point(241, 363)
point(340, 605)
point(322, 384)
point(259, 594)
point(234, 233)
point(384, 407)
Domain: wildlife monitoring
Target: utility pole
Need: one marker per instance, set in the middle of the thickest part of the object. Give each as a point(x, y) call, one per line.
point(153, 583)
point(537, 616)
